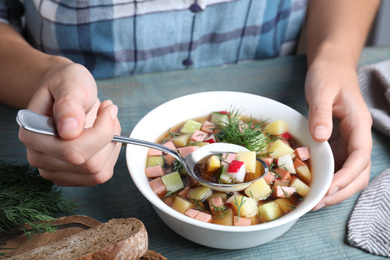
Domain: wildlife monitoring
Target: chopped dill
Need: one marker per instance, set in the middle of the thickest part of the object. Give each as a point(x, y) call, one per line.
point(239, 206)
point(169, 194)
point(196, 202)
point(291, 207)
point(220, 211)
point(170, 135)
point(276, 174)
point(248, 134)
point(285, 193)
point(177, 166)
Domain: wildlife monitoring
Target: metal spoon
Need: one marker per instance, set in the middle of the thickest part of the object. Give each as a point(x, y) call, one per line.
point(41, 124)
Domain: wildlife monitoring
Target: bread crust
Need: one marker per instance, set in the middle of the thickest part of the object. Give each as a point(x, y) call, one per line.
point(116, 239)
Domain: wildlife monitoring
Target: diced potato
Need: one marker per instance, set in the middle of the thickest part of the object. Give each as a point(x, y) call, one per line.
point(213, 163)
point(285, 205)
point(244, 206)
point(199, 193)
point(172, 182)
point(279, 148)
point(190, 127)
point(249, 158)
point(216, 194)
point(155, 160)
point(225, 218)
point(200, 144)
point(304, 173)
point(181, 204)
point(301, 188)
point(250, 176)
point(277, 127)
point(181, 140)
point(269, 211)
point(286, 163)
point(259, 190)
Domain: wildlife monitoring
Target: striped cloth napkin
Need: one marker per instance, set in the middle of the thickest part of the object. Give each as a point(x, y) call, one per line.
point(369, 224)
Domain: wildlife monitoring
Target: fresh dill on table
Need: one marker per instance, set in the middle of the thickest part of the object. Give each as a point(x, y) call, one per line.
point(27, 198)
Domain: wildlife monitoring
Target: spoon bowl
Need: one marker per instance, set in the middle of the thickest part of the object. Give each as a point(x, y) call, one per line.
point(42, 124)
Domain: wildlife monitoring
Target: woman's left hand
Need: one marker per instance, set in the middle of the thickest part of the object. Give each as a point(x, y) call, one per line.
point(335, 101)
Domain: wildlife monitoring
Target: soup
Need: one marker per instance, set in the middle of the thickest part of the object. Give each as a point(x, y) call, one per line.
point(278, 192)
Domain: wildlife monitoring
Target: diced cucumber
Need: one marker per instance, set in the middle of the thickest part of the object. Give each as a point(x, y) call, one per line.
point(172, 182)
point(156, 160)
point(199, 193)
point(190, 127)
point(218, 118)
point(224, 177)
point(181, 140)
point(269, 211)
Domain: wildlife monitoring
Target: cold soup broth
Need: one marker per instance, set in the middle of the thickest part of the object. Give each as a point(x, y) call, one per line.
point(278, 192)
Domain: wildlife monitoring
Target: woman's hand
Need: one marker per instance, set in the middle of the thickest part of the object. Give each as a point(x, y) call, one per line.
point(332, 92)
point(78, 157)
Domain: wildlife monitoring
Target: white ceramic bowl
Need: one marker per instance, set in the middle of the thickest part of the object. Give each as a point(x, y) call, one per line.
point(176, 111)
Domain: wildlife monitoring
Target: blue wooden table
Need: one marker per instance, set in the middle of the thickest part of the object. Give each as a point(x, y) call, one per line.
point(317, 235)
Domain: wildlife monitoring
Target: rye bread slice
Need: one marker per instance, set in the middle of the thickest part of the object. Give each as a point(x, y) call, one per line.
point(124, 238)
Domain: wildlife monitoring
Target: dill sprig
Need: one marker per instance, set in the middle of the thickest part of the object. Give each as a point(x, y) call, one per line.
point(246, 133)
point(220, 211)
point(170, 135)
point(27, 198)
point(239, 206)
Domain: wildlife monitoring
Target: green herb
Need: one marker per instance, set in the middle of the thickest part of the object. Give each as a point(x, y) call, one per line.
point(196, 202)
point(25, 197)
point(291, 207)
point(239, 206)
point(285, 193)
point(221, 159)
point(170, 135)
point(169, 194)
point(177, 166)
point(248, 134)
point(276, 174)
point(220, 211)
point(272, 166)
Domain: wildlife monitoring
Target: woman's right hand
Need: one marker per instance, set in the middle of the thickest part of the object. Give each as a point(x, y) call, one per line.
point(77, 157)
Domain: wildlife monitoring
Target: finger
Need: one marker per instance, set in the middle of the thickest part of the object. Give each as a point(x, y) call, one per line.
point(67, 179)
point(357, 162)
point(78, 151)
point(72, 100)
point(93, 166)
point(357, 185)
point(320, 116)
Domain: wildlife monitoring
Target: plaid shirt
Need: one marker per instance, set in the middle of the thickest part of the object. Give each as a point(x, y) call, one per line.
point(123, 37)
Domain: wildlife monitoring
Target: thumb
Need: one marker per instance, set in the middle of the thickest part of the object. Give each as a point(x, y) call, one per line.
point(72, 102)
point(320, 119)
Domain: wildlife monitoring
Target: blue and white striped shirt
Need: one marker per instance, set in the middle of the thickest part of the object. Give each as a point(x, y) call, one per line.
point(123, 37)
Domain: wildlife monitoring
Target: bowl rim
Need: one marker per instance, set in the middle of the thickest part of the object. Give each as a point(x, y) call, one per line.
point(158, 204)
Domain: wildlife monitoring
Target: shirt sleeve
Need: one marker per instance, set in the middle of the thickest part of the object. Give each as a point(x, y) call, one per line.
point(11, 12)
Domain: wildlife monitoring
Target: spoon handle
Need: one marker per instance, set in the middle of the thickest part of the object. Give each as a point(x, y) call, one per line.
point(41, 124)
point(128, 140)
